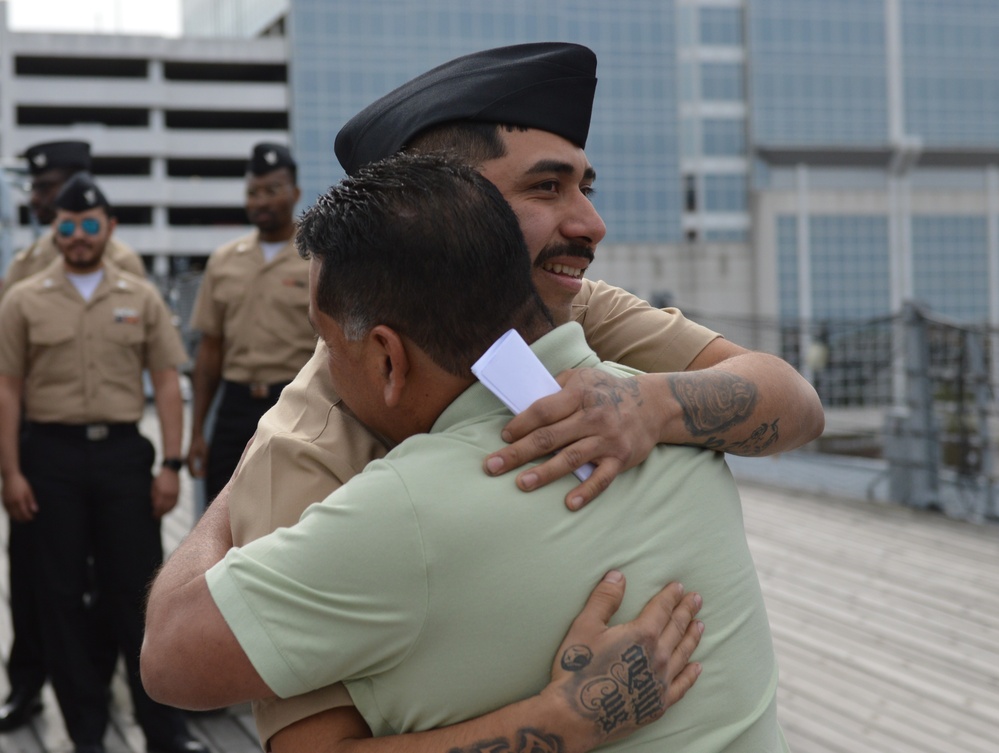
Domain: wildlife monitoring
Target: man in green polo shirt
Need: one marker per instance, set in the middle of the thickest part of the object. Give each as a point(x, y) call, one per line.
point(434, 592)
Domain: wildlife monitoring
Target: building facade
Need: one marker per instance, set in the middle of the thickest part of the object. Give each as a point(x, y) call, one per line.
point(786, 161)
point(171, 123)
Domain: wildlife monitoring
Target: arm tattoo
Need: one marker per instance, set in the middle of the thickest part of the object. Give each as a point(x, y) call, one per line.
point(713, 403)
point(529, 740)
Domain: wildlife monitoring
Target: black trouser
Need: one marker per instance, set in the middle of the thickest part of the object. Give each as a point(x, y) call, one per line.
point(94, 497)
point(26, 665)
point(235, 422)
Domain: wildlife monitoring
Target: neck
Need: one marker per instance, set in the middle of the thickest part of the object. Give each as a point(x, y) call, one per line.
point(282, 235)
point(534, 321)
point(78, 270)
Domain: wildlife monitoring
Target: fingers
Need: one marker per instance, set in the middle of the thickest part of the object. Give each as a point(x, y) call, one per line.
point(681, 674)
point(603, 474)
point(603, 601)
point(660, 609)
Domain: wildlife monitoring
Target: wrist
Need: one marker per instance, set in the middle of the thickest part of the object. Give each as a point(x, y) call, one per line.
point(172, 464)
point(559, 716)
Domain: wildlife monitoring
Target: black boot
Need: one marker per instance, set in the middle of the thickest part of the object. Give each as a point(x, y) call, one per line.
point(20, 706)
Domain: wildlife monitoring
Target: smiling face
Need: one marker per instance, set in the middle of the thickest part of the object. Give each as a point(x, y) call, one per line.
point(548, 181)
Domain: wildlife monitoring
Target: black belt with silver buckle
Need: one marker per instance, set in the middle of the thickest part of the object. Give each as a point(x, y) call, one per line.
point(90, 432)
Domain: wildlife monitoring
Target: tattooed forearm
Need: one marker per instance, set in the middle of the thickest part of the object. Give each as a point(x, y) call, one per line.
point(713, 403)
point(528, 740)
point(627, 694)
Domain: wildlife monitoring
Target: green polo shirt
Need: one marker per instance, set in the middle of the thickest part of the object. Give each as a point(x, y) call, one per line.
point(438, 593)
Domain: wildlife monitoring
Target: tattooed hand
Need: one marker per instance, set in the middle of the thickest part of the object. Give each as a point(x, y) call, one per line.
point(623, 677)
point(597, 417)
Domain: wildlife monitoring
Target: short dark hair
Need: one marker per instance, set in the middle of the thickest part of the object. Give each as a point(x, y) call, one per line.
point(427, 246)
point(471, 142)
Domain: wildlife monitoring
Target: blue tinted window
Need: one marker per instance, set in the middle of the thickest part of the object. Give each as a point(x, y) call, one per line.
point(724, 137)
point(950, 265)
point(721, 81)
point(725, 193)
point(721, 26)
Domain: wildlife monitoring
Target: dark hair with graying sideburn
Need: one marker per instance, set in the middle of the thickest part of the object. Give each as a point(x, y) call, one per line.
point(428, 247)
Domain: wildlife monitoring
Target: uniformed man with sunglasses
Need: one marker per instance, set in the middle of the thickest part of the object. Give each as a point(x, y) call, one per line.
point(74, 341)
point(50, 165)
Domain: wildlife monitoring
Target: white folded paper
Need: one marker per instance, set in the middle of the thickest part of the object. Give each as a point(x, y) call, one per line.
point(517, 377)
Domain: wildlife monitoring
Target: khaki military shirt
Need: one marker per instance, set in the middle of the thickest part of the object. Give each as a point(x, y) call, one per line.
point(308, 445)
point(259, 309)
point(82, 361)
point(43, 251)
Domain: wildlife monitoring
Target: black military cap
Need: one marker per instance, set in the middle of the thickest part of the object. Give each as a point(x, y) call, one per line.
point(80, 194)
point(544, 85)
point(69, 155)
point(268, 157)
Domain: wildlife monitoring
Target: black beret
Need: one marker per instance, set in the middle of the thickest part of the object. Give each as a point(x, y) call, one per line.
point(70, 155)
point(544, 85)
point(268, 157)
point(80, 194)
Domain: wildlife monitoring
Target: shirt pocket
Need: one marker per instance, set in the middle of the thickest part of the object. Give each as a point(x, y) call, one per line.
point(122, 349)
point(54, 351)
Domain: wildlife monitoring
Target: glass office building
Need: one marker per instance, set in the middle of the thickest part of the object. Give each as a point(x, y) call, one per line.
point(876, 131)
point(785, 160)
point(345, 55)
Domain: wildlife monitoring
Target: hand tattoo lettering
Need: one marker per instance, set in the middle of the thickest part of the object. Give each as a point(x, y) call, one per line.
point(642, 686)
point(604, 697)
point(628, 694)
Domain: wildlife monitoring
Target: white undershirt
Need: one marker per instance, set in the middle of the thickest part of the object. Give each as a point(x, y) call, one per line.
point(271, 249)
point(86, 284)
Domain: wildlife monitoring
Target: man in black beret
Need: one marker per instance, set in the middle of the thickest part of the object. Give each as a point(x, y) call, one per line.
point(520, 115)
point(251, 311)
point(77, 478)
point(50, 165)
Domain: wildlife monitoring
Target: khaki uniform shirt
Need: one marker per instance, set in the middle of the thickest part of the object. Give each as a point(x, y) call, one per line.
point(308, 445)
point(82, 361)
point(43, 251)
point(260, 310)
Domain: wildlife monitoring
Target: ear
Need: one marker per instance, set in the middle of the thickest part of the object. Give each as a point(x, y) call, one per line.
point(112, 224)
point(393, 362)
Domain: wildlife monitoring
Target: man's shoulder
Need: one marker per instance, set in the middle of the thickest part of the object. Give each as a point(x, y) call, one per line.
point(239, 244)
point(124, 282)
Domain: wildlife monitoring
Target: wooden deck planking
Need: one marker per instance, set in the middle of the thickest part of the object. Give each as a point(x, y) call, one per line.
point(885, 623)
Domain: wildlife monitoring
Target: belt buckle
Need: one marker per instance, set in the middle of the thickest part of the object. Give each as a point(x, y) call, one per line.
point(97, 432)
point(259, 390)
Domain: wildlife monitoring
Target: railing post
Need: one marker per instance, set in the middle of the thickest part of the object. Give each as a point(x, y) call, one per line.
point(912, 439)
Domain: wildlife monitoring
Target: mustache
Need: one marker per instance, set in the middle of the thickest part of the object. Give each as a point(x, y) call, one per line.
point(556, 250)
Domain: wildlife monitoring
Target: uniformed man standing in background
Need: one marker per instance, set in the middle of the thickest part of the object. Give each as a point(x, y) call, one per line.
point(252, 313)
point(50, 165)
point(74, 340)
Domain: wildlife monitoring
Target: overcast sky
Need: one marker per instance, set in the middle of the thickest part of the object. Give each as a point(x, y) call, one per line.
point(160, 17)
